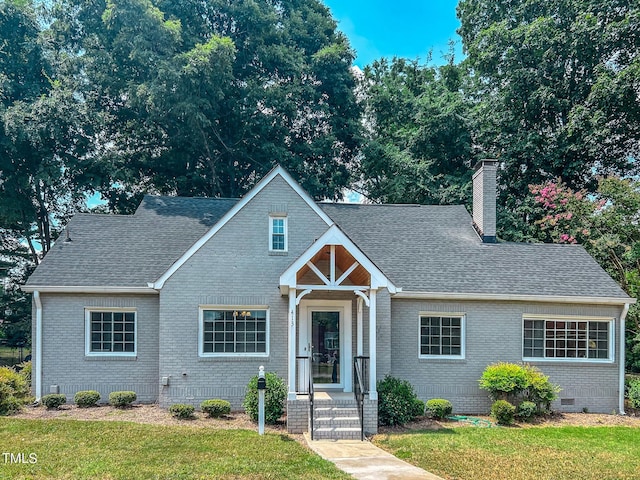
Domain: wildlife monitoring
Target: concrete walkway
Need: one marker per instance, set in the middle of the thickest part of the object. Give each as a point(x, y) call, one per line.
point(365, 461)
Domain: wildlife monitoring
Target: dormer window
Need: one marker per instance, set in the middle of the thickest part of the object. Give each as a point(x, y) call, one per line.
point(277, 233)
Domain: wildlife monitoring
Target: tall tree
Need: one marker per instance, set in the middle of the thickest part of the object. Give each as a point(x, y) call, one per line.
point(419, 139)
point(558, 91)
point(202, 98)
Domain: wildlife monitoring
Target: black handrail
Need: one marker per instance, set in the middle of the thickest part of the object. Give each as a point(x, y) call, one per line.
point(306, 362)
point(361, 387)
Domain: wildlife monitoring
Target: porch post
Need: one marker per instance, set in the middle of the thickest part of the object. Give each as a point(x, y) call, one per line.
point(292, 343)
point(359, 331)
point(373, 393)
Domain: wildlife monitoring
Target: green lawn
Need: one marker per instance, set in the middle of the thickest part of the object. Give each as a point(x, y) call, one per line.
point(522, 453)
point(69, 449)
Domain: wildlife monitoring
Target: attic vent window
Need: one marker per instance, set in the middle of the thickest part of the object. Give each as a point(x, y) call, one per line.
point(277, 233)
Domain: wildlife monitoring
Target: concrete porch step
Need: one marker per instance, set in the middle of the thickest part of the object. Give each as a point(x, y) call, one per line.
point(353, 422)
point(336, 433)
point(335, 412)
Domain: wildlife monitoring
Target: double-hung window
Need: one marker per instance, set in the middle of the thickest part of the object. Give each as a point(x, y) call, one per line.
point(230, 331)
point(567, 339)
point(111, 332)
point(441, 336)
point(277, 233)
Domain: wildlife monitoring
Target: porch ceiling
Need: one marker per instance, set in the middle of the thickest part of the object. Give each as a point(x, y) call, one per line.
point(343, 262)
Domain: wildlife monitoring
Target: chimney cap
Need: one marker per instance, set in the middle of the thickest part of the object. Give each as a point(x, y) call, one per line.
point(483, 162)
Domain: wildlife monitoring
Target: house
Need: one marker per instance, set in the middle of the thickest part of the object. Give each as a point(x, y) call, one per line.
point(183, 301)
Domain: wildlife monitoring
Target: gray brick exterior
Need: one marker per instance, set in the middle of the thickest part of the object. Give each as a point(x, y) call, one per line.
point(493, 334)
point(63, 348)
point(233, 269)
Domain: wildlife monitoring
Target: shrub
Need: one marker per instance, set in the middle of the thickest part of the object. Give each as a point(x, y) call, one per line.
point(439, 408)
point(633, 394)
point(396, 401)
point(527, 410)
point(418, 408)
point(503, 412)
point(539, 389)
point(24, 369)
point(54, 400)
point(86, 398)
point(216, 408)
point(182, 411)
point(14, 391)
point(274, 398)
point(503, 380)
point(122, 399)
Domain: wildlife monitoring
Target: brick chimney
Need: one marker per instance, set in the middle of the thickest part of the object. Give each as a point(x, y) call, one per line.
point(484, 199)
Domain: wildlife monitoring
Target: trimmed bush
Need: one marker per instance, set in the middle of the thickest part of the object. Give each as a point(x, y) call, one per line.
point(274, 398)
point(439, 408)
point(503, 412)
point(396, 401)
point(503, 380)
point(14, 391)
point(539, 389)
point(216, 408)
point(54, 400)
point(633, 394)
point(24, 369)
point(86, 398)
point(182, 411)
point(122, 399)
point(527, 410)
point(418, 408)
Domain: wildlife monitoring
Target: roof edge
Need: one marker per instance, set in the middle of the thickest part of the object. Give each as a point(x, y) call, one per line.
point(86, 289)
point(516, 298)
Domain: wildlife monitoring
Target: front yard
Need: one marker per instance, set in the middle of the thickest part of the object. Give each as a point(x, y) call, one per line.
point(69, 449)
point(512, 453)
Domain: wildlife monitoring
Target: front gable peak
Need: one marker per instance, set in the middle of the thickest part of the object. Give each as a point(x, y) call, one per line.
point(277, 171)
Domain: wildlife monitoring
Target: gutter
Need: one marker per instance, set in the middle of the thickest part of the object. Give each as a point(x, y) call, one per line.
point(622, 358)
point(38, 353)
point(516, 298)
point(87, 289)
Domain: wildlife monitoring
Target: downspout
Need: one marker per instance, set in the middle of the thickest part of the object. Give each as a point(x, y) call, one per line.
point(38, 355)
point(622, 359)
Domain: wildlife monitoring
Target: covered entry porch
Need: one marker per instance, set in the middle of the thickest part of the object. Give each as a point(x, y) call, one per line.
point(332, 293)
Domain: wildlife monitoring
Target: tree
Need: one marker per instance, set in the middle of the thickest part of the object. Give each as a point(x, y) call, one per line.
point(607, 223)
point(203, 98)
point(557, 92)
point(418, 146)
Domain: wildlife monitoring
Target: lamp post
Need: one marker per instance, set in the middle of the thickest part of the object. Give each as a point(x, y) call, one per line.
point(262, 386)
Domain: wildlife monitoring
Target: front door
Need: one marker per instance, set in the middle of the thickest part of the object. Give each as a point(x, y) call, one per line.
point(325, 336)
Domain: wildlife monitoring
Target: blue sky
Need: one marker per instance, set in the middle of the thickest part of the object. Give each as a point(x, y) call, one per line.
point(404, 28)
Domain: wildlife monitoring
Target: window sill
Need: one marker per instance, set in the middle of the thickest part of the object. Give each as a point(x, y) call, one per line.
point(441, 360)
point(110, 358)
point(236, 359)
point(577, 361)
point(275, 253)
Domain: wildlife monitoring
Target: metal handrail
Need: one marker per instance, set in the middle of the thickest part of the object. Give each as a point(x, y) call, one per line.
point(361, 387)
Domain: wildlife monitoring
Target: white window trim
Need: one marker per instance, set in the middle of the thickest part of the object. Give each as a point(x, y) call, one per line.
point(463, 332)
point(203, 354)
point(286, 233)
point(87, 333)
point(571, 318)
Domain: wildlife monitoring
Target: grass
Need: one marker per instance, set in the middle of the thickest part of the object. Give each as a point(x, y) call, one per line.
point(513, 454)
point(68, 449)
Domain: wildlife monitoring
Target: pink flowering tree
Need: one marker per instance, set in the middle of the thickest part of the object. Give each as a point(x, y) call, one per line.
point(607, 224)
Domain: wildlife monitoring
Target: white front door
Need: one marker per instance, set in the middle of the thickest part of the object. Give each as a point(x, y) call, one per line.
point(325, 333)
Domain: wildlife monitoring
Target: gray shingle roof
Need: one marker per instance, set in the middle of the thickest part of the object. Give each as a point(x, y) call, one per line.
point(420, 248)
point(129, 250)
point(431, 248)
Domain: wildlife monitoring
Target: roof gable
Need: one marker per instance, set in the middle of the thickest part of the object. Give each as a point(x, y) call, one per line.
point(277, 171)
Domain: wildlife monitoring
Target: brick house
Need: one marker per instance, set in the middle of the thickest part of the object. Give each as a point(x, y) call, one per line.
point(184, 299)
